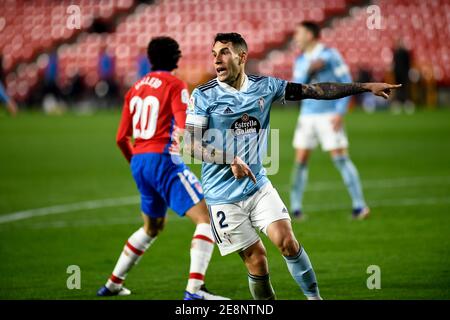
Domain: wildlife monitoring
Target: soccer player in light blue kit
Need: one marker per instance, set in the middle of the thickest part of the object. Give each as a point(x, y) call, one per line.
point(227, 126)
point(10, 104)
point(322, 121)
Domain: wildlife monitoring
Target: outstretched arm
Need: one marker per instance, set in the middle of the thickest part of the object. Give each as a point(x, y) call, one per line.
point(331, 91)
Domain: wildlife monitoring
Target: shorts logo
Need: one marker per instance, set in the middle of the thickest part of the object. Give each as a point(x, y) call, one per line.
point(245, 125)
point(227, 236)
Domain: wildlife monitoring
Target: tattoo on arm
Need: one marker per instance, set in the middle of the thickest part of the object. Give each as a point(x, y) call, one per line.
point(198, 149)
point(322, 91)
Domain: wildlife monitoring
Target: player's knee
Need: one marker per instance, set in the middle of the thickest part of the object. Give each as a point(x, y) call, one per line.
point(198, 213)
point(256, 260)
point(289, 246)
point(338, 153)
point(302, 157)
point(257, 264)
point(152, 231)
point(153, 227)
point(201, 217)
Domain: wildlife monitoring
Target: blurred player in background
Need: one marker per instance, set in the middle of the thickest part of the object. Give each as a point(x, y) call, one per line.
point(322, 121)
point(401, 64)
point(10, 103)
point(154, 114)
point(227, 126)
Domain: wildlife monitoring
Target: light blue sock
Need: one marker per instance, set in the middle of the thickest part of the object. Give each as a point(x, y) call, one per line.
point(303, 273)
point(351, 179)
point(299, 179)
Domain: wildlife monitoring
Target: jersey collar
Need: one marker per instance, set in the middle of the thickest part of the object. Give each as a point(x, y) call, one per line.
point(229, 88)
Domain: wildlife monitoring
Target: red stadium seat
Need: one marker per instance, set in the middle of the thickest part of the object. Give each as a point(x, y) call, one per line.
point(265, 26)
point(425, 27)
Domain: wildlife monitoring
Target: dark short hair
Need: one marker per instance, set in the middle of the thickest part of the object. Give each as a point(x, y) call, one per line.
point(233, 37)
point(163, 53)
point(312, 27)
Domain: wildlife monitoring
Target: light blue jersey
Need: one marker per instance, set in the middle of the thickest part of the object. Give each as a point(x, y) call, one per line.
point(335, 70)
point(238, 122)
point(3, 95)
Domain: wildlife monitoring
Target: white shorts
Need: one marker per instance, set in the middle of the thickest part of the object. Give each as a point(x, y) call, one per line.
point(315, 128)
point(235, 225)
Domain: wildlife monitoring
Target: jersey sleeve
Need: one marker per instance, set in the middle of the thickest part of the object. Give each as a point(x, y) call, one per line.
point(300, 71)
point(197, 114)
point(179, 103)
point(125, 130)
point(278, 87)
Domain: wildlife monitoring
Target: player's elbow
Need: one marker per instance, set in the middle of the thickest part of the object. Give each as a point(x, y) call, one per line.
point(125, 147)
point(121, 140)
point(120, 143)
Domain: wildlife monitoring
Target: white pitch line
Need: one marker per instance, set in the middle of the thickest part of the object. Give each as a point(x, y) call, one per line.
point(376, 184)
point(131, 200)
point(309, 208)
point(66, 208)
point(65, 223)
point(405, 202)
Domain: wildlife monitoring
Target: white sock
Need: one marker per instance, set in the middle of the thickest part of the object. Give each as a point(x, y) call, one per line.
point(133, 250)
point(202, 247)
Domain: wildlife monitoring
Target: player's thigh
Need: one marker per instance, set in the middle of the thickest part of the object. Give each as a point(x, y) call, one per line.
point(329, 138)
point(267, 208)
point(305, 135)
point(281, 234)
point(231, 227)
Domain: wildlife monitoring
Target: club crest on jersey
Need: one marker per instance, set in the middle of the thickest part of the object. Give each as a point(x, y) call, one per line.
point(245, 125)
point(261, 104)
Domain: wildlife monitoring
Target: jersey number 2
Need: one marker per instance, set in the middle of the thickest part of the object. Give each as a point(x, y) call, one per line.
point(146, 114)
point(221, 216)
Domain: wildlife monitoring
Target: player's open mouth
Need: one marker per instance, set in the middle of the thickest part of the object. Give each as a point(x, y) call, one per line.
point(220, 71)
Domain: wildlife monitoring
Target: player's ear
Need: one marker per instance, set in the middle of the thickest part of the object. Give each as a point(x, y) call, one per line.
point(242, 57)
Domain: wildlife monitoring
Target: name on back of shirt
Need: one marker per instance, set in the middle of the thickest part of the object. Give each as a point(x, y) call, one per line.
point(149, 81)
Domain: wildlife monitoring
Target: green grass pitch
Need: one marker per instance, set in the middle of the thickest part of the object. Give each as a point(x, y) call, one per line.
point(404, 162)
